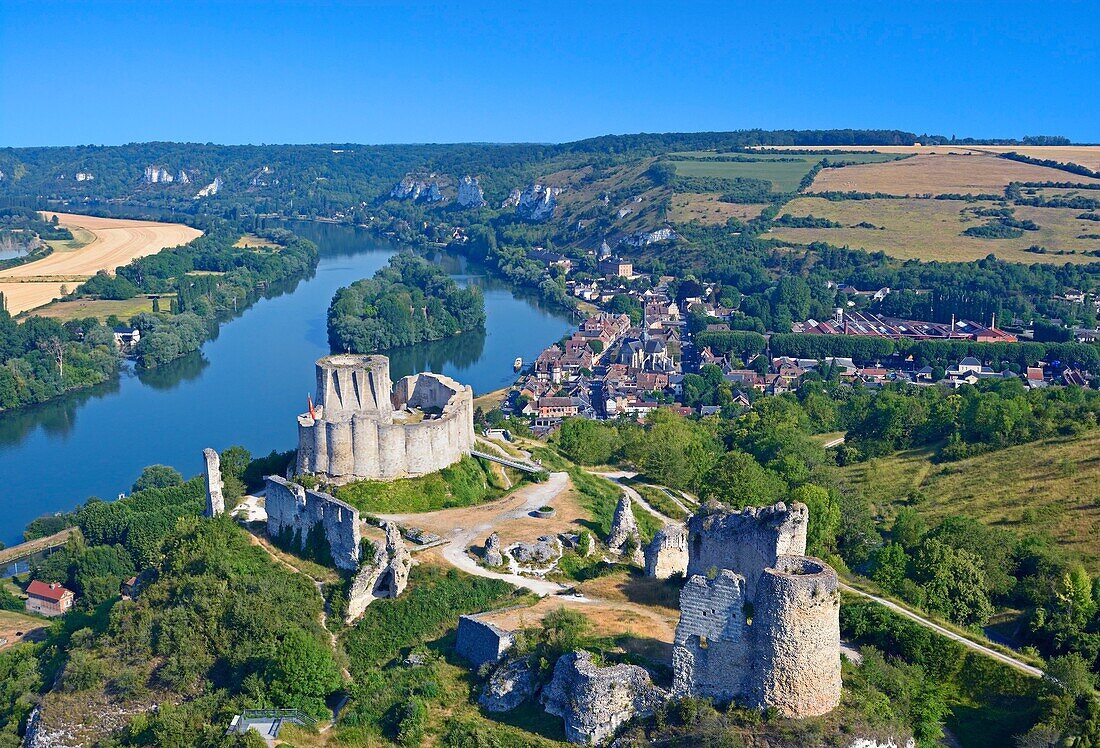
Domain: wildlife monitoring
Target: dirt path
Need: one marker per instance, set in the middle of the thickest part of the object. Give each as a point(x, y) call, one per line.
point(636, 497)
point(987, 651)
point(468, 524)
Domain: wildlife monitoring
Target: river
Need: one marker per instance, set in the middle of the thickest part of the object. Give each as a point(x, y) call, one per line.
point(244, 387)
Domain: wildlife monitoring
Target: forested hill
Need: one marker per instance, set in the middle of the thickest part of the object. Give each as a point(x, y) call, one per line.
point(409, 301)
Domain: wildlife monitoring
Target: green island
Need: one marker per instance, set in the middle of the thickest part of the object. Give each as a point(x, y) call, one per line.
point(407, 302)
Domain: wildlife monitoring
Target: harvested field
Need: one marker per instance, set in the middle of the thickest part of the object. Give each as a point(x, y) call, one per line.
point(936, 175)
point(931, 230)
point(706, 208)
point(117, 241)
point(1083, 155)
point(19, 297)
point(898, 149)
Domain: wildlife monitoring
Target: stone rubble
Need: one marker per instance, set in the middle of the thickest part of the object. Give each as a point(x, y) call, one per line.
point(493, 555)
point(508, 686)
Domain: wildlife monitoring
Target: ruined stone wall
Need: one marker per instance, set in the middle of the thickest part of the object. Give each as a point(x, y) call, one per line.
point(212, 470)
point(354, 432)
point(746, 541)
point(797, 626)
point(788, 655)
point(480, 641)
point(293, 508)
point(713, 651)
point(667, 554)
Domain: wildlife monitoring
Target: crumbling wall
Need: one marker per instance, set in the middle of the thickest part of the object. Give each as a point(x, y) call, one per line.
point(713, 651)
point(291, 508)
point(746, 541)
point(596, 701)
point(667, 554)
point(480, 641)
point(353, 432)
point(797, 623)
point(385, 575)
point(212, 470)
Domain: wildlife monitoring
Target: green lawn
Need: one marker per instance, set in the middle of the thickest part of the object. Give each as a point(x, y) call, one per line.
point(465, 483)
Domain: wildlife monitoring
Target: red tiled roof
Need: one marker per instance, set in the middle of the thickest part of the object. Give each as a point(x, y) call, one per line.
point(51, 591)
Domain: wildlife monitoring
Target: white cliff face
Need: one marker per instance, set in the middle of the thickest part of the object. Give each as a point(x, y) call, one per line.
point(512, 200)
point(157, 175)
point(83, 176)
point(183, 178)
point(414, 189)
point(470, 194)
point(645, 238)
point(537, 202)
point(211, 189)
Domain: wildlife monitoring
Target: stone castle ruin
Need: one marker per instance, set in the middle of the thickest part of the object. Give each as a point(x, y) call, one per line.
point(384, 575)
point(667, 554)
point(294, 510)
point(759, 620)
point(212, 471)
point(362, 428)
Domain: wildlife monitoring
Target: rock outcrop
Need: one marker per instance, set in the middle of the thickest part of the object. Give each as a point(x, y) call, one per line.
point(470, 194)
point(512, 200)
point(624, 533)
point(385, 575)
point(183, 177)
point(480, 642)
point(157, 175)
point(645, 238)
point(215, 501)
point(537, 202)
point(362, 429)
point(211, 189)
point(84, 176)
point(493, 555)
point(596, 701)
point(411, 188)
point(667, 554)
point(508, 686)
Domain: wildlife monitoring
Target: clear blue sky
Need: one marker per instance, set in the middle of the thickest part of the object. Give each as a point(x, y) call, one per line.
point(244, 72)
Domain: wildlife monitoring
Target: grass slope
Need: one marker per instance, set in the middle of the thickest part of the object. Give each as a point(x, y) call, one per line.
point(465, 483)
point(1051, 486)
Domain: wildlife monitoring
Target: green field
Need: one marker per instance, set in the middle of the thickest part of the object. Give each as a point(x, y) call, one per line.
point(784, 175)
point(469, 481)
point(1050, 487)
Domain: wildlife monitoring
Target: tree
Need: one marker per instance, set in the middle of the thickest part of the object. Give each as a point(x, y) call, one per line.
point(157, 476)
point(588, 442)
point(302, 673)
point(738, 481)
point(952, 583)
point(909, 527)
point(891, 564)
point(824, 508)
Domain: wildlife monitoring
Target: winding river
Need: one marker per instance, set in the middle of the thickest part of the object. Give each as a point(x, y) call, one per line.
point(244, 387)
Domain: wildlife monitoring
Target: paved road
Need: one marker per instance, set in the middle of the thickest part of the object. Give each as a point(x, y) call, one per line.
point(989, 652)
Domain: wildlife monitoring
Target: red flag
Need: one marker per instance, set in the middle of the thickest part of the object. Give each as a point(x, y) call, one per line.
point(309, 399)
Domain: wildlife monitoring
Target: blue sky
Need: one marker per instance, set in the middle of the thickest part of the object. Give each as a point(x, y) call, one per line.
point(297, 72)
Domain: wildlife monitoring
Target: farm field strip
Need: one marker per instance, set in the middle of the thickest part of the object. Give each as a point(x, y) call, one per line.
point(932, 230)
point(116, 242)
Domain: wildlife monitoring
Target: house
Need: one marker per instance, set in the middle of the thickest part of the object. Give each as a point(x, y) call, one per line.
point(550, 259)
point(126, 337)
point(613, 267)
point(710, 410)
point(1034, 377)
point(49, 598)
point(557, 407)
point(1074, 378)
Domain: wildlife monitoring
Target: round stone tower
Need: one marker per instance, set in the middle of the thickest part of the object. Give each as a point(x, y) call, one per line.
point(797, 630)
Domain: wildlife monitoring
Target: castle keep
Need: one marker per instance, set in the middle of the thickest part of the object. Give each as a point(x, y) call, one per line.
point(362, 427)
point(759, 620)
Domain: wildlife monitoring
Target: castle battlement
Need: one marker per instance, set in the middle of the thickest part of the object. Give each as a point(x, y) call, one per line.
point(362, 427)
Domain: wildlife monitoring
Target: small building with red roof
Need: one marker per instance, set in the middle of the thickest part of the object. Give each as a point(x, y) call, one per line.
point(49, 598)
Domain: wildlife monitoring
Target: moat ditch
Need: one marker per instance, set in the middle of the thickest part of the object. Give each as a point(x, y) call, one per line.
point(244, 387)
